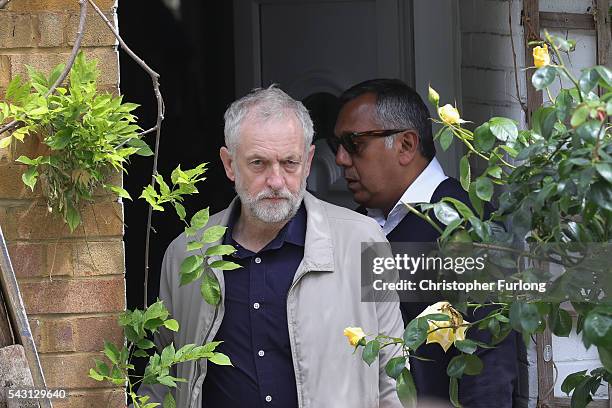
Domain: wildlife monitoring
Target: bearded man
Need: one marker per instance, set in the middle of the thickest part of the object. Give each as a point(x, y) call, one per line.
point(283, 313)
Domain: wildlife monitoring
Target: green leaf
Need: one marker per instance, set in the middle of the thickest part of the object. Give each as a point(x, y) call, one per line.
point(200, 219)
point(210, 289)
point(572, 380)
point(588, 80)
point(605, 170)
point(220, 250)
point(111, 352)
point(73, 218)
point(453, 392)
point(395, 366)
point(465, 173)
point(167, 381)
point(180, 211)
point(416, 333)
point(17, 90)
point(597, 329)
point(225, 265)
point(561, 323)
point(28, 161)
point(524, 317)
point(143, 147)
point(450, 228)
point(93, 374)
point(589, 130)
point(445, 213)
point(191, 269)
point(580, 115)
point(171, 324)
point(120, 191)
point(145, 344)
point(601, 193)
point(463, 209)
point(370, 351)
point(473, 364)
point(213, 234)
point(456, 367)
point(167, 355)
point(220, 359)
point(5, 142)
point(503, 129)
point(59, 140)
point(467, 346)
point(484, 188)
point(605, 75)
point(484, 140)
point(194, 245)
point(30, 176)
point(605, 355)
point(446, 138)
point(169, 401)
point(543, 77)
point(406, 390)
point(476, 202)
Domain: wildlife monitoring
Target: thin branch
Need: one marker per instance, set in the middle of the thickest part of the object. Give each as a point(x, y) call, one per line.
point(75, 50)
point(516, 81)
point(160, 117)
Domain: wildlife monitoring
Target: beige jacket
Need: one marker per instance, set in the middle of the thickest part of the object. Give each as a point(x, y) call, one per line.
point(325, 297)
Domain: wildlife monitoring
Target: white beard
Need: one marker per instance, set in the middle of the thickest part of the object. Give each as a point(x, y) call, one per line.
point(270, 212)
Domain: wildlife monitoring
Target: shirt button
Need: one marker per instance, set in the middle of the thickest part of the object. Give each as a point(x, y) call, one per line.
point(255, 305)
point(260, 353)
point(258, 260)
point(268, 398)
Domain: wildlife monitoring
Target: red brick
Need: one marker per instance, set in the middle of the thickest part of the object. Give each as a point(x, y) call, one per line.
point(28, 259)
point(97, 32)
point(76, 334)
point(74, 296)
point(107, 62)
point(67, 371)
point(100, 219)
point(12, 187)
point(54, 5)
point(93, 399)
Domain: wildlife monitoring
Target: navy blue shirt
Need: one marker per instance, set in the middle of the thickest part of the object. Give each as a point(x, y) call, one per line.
point(254, 328)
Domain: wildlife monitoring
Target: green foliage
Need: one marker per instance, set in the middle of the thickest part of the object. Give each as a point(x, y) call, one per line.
point(138, 325)
point(88, 135)
point(556, 180)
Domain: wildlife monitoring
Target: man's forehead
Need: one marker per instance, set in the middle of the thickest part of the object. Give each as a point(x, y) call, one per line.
point(357, 115)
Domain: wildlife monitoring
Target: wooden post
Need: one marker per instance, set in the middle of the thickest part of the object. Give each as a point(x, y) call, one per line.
point(531, 32)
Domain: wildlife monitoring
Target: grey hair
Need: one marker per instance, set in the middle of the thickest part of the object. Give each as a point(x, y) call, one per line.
point(398, 106)
point(264, 104)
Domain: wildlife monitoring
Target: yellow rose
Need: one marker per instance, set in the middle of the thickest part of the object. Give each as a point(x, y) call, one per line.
point(540, 56)
point(354, 335)
point(449, 114)
point(433, 96)
point(445, 333)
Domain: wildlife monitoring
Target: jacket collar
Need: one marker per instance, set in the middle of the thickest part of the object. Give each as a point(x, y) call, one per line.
point(318, 249)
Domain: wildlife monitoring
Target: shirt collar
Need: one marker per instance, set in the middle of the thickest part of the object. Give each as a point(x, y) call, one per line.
point(420, 191)
point(294, 231)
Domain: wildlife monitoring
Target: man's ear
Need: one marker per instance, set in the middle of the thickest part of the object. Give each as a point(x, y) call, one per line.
point(309, 157)
point(226, 158)
point(408, 146)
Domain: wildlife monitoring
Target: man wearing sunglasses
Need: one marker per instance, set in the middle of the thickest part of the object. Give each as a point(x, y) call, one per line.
point(383, 141)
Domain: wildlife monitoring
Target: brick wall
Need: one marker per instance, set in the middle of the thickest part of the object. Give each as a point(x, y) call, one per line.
point(73, 284)
point(488, 88)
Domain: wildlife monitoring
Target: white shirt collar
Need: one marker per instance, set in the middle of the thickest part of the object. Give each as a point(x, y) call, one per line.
point(420, 191)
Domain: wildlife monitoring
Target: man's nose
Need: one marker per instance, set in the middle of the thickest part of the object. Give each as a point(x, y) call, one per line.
point(343, 159)
point(275, 179)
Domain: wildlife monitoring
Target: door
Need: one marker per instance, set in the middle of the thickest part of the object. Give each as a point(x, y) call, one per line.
point(315, 49)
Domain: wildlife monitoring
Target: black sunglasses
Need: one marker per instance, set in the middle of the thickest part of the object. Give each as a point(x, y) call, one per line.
point(347, 140)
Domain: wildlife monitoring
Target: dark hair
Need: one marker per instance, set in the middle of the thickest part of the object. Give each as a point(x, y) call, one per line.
point(397, 106)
